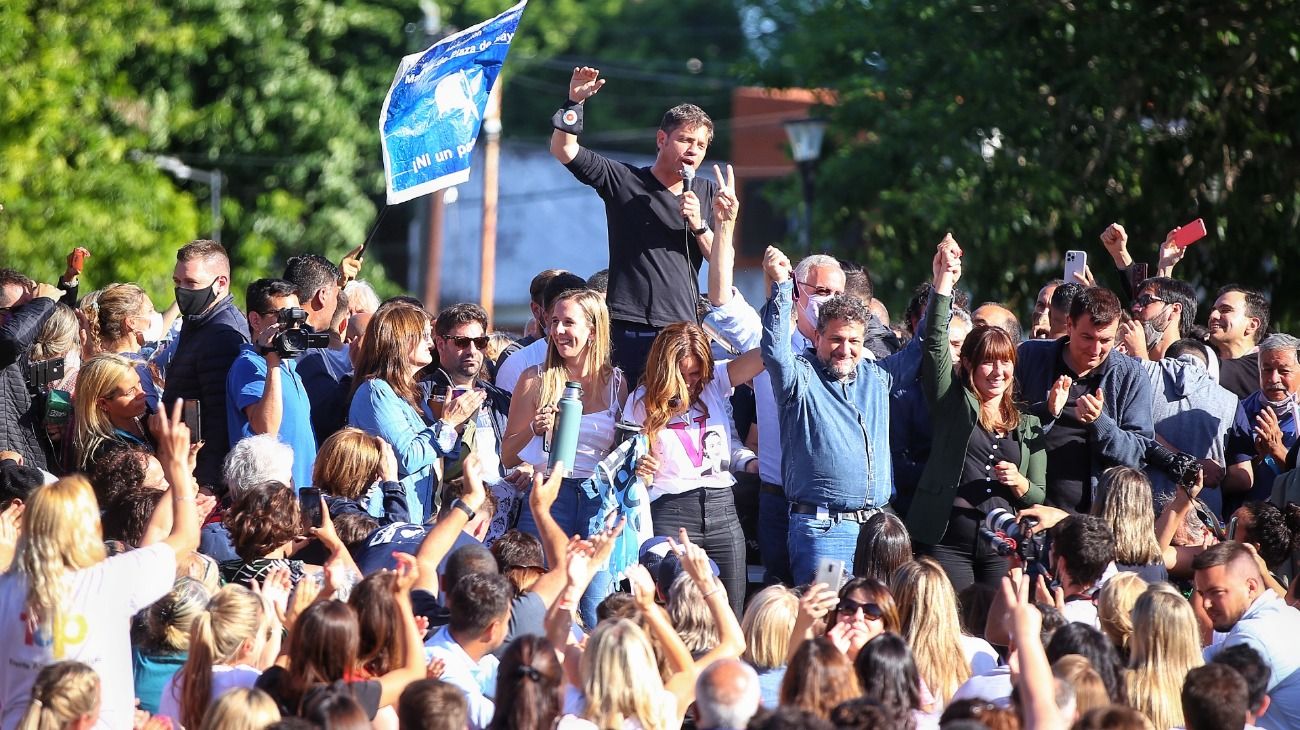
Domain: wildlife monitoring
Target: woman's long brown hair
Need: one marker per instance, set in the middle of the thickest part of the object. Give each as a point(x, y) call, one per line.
point(663, 379)
point(989, 344)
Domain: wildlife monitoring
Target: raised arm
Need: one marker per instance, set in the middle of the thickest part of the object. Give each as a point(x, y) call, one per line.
point(726, 207)
point(444, 532)
point(936, 353)
point(173, 439)
point(584, 84)
point(412, 667)
point(777, 355)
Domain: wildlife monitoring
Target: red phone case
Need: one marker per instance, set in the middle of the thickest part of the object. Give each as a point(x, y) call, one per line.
point(1190, 233)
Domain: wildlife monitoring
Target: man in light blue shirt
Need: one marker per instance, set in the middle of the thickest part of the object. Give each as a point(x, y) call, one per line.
point(480, 618)
point(1242, 608)
point(263, 391)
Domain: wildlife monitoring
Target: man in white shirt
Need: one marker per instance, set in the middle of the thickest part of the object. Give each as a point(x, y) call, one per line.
point(1232, 590)
point(480, 618)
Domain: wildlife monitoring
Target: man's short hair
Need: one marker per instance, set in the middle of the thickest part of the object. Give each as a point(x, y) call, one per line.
point(1256, 306)
point(1087, 546)
point(1251, 666)
point(467, 560)
point(727, 695)
point(1215, 697)
point(857, 282)
point(209, 251)
point(310, 273)
point(1189, 346)
point(815, 261)
point(1063, 295)
point(559, 284)
point(354, 527)
point(844, 308)
point(1279, 342)
point(460, 314)
point(254, 460)
point(686, 115)
point(1228, 551)
point(1174, 291)
point(260, 293)
point(432, 704)
point(13, 277)
point(538, 285)
point(1097, 302)
point(477, 600)
point(599, 281)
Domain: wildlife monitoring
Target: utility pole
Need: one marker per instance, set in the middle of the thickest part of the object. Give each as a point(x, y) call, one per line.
point(491, 166)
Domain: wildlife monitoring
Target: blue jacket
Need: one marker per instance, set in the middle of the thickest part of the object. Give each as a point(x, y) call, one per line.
point(1124, 431)
point(834, 433)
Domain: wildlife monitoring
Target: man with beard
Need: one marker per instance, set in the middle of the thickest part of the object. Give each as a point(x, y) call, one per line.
point(1164, 311)
point(1243, 610)
point(1237, 322)
point(1265, 426)
point(460, 339)
point(834, 420)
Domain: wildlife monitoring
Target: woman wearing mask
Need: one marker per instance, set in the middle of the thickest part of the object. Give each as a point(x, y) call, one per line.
point(987, 454)
point(386, 401)
point(122, 322)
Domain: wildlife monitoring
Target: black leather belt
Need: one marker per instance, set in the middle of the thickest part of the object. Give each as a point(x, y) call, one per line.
point(860, 515)
point(773, 489)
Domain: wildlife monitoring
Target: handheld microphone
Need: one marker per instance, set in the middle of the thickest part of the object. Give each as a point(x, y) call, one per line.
point(688, 177)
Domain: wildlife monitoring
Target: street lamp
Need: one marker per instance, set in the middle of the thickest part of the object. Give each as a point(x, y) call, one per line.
point(182, 171)
point(806, 148)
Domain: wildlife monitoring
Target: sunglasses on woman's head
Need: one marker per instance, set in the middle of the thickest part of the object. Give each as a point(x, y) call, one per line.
point(850, 608)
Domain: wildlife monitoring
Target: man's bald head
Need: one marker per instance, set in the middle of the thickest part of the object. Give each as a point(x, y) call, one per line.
point(726, 695)
point(993, 314)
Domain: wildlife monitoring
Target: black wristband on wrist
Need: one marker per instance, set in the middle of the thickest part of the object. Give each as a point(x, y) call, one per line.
point(568, 118)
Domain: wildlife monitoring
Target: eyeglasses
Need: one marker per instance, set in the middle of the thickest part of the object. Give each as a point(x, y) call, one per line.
point(463, 342)
point(850, 607)
point(1147, 300)
point(820, 291)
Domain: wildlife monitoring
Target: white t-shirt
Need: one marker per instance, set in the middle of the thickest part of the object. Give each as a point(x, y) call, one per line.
point(980, 654)
point(694, 449)
point(94, 628)
point(534, 353)
point(224, 679)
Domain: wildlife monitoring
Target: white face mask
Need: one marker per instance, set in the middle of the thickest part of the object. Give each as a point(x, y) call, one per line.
point(812, 306)
point(154, 331)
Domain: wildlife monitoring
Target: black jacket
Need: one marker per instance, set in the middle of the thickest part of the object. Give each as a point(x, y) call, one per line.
point(19, 421)
point(207, 347)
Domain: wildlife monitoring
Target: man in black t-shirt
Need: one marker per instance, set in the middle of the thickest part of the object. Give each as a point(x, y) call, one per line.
point(1238, 321)
point(658, 230)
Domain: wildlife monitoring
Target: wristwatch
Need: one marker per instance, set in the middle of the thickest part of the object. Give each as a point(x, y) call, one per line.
point(703, 229)
point(459, 504)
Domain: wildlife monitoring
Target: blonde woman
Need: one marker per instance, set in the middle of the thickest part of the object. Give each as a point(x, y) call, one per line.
point(119, 323)
point(242, 709)
point(1115, 609)
point(357, 473)
point(70, 602)
point(108, 409)
point(60, 337)
point(64, 697)
point(1125, 502)
point(577, 349)
point(620, 683)
point(767, 625)
point(928, 616)
point(165, 640)
point(231, 642)
point(1165, 646)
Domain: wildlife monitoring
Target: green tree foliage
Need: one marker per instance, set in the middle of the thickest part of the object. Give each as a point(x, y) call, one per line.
point(1027, 127)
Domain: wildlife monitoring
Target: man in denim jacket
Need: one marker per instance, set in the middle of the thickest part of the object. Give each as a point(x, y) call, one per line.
point(834, 415)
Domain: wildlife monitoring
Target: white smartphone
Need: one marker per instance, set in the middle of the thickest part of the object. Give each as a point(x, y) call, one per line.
point(1075, 262)
point(830, 572)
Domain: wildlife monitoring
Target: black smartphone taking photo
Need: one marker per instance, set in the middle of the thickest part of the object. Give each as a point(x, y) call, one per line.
point(310, 504)
point(193, 420)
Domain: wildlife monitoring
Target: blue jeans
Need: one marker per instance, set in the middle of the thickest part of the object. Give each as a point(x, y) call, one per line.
point(572, 511)
point(773, 535)
point(812, 539)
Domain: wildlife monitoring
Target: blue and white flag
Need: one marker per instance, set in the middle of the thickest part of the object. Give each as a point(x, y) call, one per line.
point(434, 109)
point(622, 494)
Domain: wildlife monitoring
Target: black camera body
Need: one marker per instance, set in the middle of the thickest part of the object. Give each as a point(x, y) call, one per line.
point(296, 337)
point(1182, 468)
point(1008, 535)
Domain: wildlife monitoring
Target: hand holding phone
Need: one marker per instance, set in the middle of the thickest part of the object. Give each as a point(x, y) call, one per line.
point(1076, 262)
point(830, 572)
point(190, 414)
point(310, 503)
point(1189, 234)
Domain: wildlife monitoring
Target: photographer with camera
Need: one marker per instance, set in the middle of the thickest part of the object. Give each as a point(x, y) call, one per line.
point(987, 454)
point(24, 308)
point(264, 393)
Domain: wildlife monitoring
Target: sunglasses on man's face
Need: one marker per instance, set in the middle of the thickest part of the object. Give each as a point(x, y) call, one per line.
point(463, 342)
point(850, 608)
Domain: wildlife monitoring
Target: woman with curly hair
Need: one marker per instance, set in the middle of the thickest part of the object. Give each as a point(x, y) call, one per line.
point(265, 523)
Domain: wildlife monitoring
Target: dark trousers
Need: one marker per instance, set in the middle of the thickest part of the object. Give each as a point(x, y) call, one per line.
point(965, 557)
point(630, 343)
point(773, 534)
point(709, 516)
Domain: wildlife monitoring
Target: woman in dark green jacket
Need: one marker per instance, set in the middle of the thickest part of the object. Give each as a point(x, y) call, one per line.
point(986, 453)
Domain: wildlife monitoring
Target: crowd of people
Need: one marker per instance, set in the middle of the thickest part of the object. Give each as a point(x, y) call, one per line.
point(326, 510)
